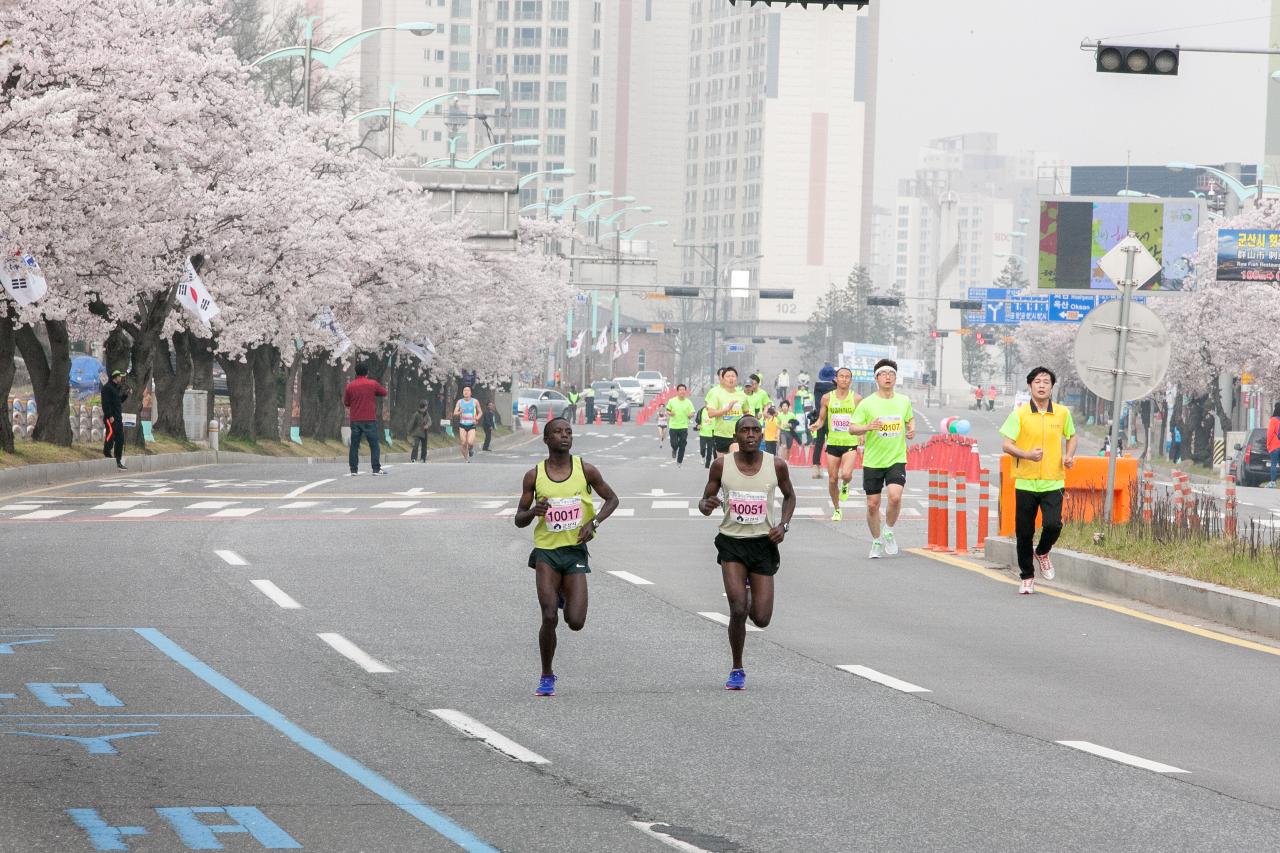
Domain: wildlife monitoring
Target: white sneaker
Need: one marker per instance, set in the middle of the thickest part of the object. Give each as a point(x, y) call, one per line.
point(876, 550)
point(890, 542)
point(354, 474)
point(1028, 587)
point(1046, 567)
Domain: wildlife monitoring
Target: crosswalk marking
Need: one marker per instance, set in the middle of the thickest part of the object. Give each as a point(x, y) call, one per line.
point(300, 505)
point(120, 504)
point(43, 514)
point(670, 505)
point(19, 507)
point(141, 512)
point(212, 504)
point(236, 512)
point(395, 504)
point(421, 510)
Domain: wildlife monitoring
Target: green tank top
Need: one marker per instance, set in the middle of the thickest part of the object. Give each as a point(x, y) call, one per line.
point(839, 417)
point(570, 509)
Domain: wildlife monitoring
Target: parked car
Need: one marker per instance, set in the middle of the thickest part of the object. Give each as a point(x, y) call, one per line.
point(536, 402)
point(1250, 464)
point(652, 381)
point(632, 388)
point(220, 388)
point(603, 389)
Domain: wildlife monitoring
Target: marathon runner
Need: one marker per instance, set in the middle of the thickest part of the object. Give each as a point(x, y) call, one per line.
point(888, 422)
point(836, 414)
point(706, 437)
point(661, 421)
point(680, 408)
point(757, 398)
point(467, 414)
point(558, 494)
point(747, 544)
point(726, 404)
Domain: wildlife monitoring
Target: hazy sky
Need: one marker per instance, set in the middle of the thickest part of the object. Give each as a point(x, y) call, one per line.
point(1014, 67)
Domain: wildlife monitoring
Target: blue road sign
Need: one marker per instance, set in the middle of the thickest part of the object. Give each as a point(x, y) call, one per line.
point(737, 347)
point(990, 294)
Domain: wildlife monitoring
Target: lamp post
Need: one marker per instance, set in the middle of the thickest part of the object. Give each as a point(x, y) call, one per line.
point(411, 117)
point(715, 283)
point(601, 222)
point(529, 178)
point(1241, 192)
point(332, 56)
point(475, 159)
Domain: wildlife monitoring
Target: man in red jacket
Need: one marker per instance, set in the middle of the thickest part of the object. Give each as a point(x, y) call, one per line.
point(359, 398)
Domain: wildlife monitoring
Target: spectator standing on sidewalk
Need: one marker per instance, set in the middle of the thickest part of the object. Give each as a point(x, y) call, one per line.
point(489, 421)
point(360, 398)
point(113, 396)
point(418, 432)
point(1273, 445)
point(783, 385)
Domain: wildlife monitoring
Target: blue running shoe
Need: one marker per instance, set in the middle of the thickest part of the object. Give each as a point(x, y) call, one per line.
point(737, 680)
point(546, 686)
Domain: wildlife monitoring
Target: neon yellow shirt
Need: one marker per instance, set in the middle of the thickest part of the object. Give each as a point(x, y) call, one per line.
point(718, 398)
point(680, 411)
point(886, 446)
point(570, 509)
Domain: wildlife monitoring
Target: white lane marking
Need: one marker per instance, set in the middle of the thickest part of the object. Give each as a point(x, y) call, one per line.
point(231, 558)
point(44, 513)
point(395, 504)
point(491, 504)
point(630, 578)
point(19, 507)
point(670, 505)
point(351, 651)
point(299, 505)
point(211, 504)
point(880, 678)
point(673, 843)
point(344, 509)
point(276, 594)
point(476, 729)
point(722, 619)
point(422, 510)
point(308, 487)
point(697, 513)
point(810, 511)
point(1122, 757)
point(624, 512)
point(143, 512)
point(121, 504)
point(236, 512)
point(506, 511)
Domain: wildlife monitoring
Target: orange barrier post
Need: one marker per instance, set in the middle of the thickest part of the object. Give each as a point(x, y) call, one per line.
point(932, 537)
point(1148, 495)
point(1188, 503)
point(617, 421)
point(598, 419)
point(984, 506)
point(944, 510)
point(1177, 497)
point(962, 515)
point(1230, 519)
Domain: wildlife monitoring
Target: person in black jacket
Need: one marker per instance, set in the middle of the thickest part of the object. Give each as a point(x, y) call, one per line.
point(113, 396)
point(488, 422)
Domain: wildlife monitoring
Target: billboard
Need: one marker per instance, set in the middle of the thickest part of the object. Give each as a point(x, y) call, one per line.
point(1248, 255)
point(862, 358)
point(1076, 232)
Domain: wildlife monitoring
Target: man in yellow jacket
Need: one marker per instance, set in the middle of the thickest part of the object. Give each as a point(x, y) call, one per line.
point(1035, 434)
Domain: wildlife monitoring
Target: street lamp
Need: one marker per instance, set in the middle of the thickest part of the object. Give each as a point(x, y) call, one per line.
point(411, 117)
point(475, 159)
point(1241, 192)
point(529, 178)
point(331, 57)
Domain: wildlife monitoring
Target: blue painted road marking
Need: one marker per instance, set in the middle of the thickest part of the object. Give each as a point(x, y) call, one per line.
point(102, 835)
point(377, 784)
point(50, 693)
point(198, 835)
point(6, 647)
point(99, 745)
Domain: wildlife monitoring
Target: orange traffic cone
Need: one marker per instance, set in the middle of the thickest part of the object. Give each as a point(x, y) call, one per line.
point(534, 422)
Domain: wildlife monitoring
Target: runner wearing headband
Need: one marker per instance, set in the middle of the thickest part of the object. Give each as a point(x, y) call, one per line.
point(887, 421)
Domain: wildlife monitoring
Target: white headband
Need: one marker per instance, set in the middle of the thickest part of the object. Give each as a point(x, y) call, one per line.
point(892, 370)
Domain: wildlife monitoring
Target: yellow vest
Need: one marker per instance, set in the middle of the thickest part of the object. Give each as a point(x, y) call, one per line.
point(1043, 430)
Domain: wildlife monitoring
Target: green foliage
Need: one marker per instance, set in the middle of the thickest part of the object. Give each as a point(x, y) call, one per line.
point(843, 314)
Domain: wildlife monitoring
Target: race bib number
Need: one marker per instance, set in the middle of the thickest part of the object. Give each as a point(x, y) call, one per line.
point(563, 514)
point(735, 411)
point(840, 422)
point(890, 427)
point(747, 507)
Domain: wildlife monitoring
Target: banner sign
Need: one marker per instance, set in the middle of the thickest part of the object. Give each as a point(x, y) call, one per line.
point(1248, 255)
point(862, 358)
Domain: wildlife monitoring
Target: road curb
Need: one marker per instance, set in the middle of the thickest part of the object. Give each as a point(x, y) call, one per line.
point(1243, 610)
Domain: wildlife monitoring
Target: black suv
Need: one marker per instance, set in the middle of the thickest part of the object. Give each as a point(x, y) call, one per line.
point(1250, 465)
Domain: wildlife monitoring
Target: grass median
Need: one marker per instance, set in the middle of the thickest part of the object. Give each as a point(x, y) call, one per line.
point(41, 453)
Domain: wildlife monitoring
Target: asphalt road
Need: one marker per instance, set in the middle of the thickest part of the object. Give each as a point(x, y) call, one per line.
point(200, 658)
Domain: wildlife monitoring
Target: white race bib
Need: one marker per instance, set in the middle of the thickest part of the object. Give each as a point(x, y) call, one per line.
point(563, 514)
point(840, 422)
point(748, 507)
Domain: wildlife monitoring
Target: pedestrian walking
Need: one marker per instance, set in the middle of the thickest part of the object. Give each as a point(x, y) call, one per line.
point(114, 393)
point(558, 494)
point(589, 401)
point(992, 393)
point(1273, 444)
point(1035, 435)
point(490, 421)
point(783, 385)
point(825, 385)
point(418, 428)
point(977, 398)
point(360, 398)
point(771, 431)
point(1175, 441)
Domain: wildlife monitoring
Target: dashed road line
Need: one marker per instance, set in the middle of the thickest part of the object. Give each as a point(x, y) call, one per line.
point(722, 619)
point(141, 512)
point(670, 841)
point(212, 504)
point(299, 505)
point(1122, 757)
point(352, 652)
point(120, 504)
point(421, 510)
point(630, 578)
point(478, 730)
point(236, 512)
point(276, 594)
point(669, 505)
point(43, 514)
point(231, 558)
point(308, 487)
point(395, 504)
point(880, 678)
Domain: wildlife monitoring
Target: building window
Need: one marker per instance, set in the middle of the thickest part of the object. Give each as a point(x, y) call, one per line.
point(557, 117)
point(526, 90)
point(527, 63)
point(528, 10)
point(500, 37)
point(459, 60)
point(557, 90)
point(461, 8)
point(594, 147)
point(528, 37)
point(500, 64)
point(559, 10)
point(554, 146)
point(595, 66)
point(558, 63)
point(558, 37)
point(460, 34)
point(591, 173)
point(458, 84)
point(551, 166)
point(595, 119)
point(525, 117)
point(595, 39)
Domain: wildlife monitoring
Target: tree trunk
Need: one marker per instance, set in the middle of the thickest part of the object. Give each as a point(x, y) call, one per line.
point(410, 389)
point(265, 363)
point(146, 340)
point(201, 352)
point(322, 412)
point(8, 367)
point(50, 374)
point(172, 368)
point(240, 386)
point(292, 377)
point(116, 355)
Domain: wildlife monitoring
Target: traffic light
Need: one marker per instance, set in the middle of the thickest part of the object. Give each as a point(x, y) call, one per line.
point(1120, 59)
point(681, 291)
point(886, 301)
point(938, 334)
point(839, 4)
point(777, 294)
point(982, 342)
point(966, 304)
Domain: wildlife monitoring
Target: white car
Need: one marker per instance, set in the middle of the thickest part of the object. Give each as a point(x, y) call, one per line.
point(632, 388)
point(652, 381)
